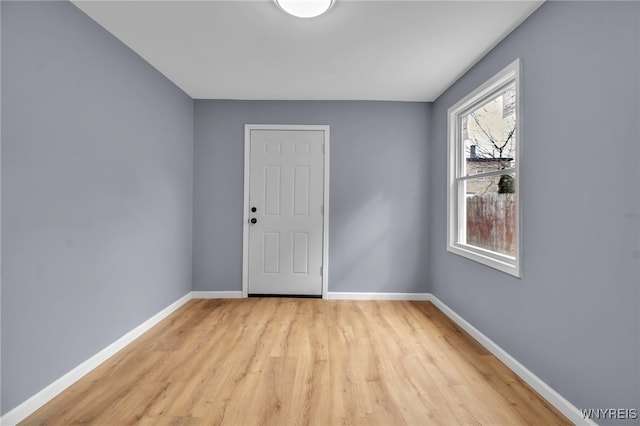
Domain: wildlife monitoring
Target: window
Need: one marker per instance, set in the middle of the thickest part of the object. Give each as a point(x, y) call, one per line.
point(483, 193)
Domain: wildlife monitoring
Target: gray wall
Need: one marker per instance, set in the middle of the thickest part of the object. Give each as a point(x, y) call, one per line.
point(573, 317)
point(97, 161)
point(378, 202)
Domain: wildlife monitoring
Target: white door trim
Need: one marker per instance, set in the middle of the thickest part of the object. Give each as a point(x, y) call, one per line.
point(245, 215)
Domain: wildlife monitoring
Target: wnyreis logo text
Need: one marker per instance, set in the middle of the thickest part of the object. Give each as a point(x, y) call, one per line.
point(610, 413)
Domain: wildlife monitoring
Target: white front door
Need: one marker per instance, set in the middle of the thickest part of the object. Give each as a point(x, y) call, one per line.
point(284, 231)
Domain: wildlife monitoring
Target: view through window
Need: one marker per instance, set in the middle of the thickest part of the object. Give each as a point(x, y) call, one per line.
point(490, 141)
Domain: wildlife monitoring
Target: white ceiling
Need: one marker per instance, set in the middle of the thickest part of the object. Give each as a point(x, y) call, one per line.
point(360, 50)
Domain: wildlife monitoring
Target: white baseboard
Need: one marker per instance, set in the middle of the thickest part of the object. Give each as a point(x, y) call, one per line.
point(216, 294)
point(29, 406)
point(338, 295)
point(553, 397)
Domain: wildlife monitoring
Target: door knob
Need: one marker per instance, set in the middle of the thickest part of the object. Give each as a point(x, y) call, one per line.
point(253, 220)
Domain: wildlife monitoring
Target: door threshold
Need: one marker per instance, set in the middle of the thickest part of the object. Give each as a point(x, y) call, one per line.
point(288, 296)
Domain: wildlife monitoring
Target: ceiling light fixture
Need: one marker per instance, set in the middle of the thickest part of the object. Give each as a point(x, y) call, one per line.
point(305, 8)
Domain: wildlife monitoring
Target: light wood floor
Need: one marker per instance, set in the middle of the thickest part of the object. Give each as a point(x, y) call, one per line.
point(301, 361)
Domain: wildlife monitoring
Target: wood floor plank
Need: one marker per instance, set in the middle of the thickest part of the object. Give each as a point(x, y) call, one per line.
point(283, 361)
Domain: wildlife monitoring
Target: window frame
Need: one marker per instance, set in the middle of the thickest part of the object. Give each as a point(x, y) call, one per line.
point(511, 74)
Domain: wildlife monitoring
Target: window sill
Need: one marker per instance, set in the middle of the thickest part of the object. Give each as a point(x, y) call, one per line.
point(504, 264)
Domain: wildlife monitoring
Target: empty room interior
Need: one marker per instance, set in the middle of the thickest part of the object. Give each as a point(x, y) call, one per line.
point(332, 212)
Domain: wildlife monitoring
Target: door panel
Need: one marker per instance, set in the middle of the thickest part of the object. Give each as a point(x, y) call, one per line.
point(286, 187)
point(272, 185)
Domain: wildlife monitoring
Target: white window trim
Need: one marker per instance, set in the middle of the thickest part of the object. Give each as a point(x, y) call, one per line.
point(511, 73)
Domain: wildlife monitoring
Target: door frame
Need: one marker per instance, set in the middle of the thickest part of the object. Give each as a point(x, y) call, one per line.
point(245, 216)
